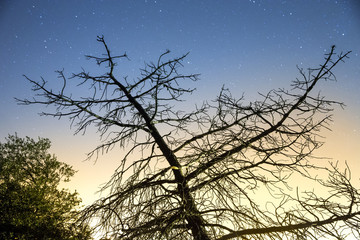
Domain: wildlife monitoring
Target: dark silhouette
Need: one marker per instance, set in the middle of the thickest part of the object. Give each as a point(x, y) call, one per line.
point(201, 174)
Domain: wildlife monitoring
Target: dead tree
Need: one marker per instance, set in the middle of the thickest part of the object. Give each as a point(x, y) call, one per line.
point(197, 174)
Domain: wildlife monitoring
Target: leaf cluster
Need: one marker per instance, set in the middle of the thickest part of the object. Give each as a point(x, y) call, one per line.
point(31, 203)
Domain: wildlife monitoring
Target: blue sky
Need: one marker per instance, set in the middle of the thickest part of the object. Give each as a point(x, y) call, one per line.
point(248, 46)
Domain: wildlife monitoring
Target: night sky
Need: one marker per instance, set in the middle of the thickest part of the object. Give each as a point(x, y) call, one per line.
point(248, 46)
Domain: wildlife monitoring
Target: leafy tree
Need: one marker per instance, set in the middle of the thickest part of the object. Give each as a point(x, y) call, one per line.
point(199, 173)
point(31, 205)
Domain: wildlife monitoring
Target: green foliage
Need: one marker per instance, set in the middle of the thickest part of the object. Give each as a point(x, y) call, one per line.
point(31, 205)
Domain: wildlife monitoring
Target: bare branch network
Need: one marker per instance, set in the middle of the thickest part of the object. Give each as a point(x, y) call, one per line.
point(203, 174)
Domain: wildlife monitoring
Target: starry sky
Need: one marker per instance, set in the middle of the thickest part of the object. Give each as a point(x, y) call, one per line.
point(248, 46)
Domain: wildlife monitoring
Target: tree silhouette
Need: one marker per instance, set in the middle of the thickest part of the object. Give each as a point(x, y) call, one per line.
point(199, 172)
point(31, 204)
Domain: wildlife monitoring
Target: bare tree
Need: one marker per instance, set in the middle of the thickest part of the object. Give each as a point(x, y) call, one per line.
point(199, 173)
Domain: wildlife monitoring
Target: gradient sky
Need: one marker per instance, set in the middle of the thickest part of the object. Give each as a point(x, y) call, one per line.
point(250, 46)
